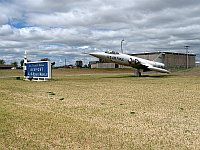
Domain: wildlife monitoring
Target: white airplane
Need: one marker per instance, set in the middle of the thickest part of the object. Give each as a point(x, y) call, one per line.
point(127, 60)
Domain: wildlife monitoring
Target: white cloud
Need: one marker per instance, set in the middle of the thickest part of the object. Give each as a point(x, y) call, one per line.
point(3, 19)
point(6, 30)
point(57, 29)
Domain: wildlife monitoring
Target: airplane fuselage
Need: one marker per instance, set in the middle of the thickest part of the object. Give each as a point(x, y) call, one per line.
point(132, 61)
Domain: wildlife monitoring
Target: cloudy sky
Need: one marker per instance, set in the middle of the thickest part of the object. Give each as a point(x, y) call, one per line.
point(67, 28)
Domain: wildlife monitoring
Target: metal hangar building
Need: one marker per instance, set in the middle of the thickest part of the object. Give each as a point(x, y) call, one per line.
point(170, 59)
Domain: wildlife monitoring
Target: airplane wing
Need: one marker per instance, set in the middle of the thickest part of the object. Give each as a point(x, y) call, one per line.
point(158, 69)
point(152, 68)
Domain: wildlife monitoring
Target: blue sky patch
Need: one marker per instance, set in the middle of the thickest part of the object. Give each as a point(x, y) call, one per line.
point(17, 23)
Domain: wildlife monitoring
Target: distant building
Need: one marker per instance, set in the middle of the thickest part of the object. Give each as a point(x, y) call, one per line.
point(79, 64)
point(92, 63)
point(103, 65)
point(107, 65)
point(197, 64)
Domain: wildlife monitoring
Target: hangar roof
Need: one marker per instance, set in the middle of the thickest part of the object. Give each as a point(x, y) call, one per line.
point(152, 53)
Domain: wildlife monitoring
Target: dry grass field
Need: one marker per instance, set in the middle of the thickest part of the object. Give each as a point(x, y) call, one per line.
point(116, 111)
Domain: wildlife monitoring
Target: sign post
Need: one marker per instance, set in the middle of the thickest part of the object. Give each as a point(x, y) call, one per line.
point(24, 64)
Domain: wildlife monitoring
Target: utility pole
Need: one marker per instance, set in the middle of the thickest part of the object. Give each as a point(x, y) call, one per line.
point(187, 60)
point(121, 46)
point(24, 64)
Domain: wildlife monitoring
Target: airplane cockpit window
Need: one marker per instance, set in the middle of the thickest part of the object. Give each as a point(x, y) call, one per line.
point(111, 52)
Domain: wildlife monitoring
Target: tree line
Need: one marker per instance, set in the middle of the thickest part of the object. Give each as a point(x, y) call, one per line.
point(15, 63)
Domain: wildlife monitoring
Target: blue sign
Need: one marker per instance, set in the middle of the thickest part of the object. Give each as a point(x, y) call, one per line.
point(40, 69)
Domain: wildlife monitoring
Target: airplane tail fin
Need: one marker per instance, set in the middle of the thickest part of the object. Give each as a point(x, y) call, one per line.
point(159, 58)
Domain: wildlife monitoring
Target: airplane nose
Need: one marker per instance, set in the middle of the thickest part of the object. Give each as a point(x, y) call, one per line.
point(92, 54)
point(98, 55)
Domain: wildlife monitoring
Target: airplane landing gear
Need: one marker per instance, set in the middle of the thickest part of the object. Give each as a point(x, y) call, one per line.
point(138, 73)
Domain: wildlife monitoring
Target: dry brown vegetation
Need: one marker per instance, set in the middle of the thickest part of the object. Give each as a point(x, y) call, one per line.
point(101, 112)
